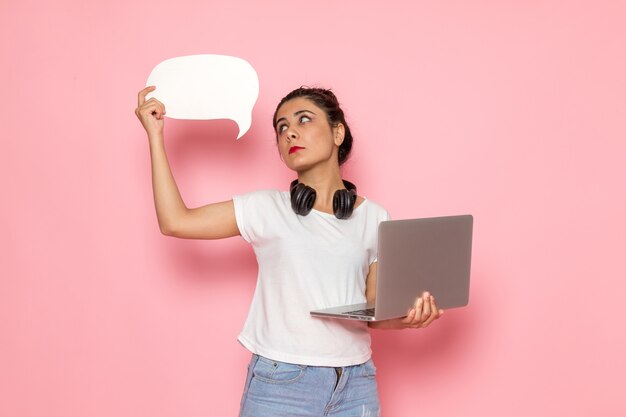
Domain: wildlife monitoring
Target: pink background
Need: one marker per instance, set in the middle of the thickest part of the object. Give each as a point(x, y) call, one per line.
point(511, 111)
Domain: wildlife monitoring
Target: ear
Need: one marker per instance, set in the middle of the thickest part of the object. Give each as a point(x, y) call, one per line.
point(339, 131)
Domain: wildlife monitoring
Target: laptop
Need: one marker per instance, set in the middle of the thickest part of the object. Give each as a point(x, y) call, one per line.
point(416, 255)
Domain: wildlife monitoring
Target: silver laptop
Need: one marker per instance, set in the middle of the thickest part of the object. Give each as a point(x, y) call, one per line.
point(416, 255)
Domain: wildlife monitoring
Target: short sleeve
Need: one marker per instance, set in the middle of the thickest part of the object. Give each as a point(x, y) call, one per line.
point(241, 203)
point(253, 213)
point(244, 214)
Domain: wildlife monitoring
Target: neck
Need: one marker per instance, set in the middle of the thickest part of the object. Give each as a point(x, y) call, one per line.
point(325, 181)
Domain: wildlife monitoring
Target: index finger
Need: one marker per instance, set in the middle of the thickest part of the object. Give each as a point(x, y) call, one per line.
point(409, 318)
point(141, 97)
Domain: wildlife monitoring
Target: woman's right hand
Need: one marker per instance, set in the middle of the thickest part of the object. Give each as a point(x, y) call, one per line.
point(150, 112)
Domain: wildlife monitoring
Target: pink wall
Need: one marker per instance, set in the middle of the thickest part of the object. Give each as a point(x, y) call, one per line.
point(511, 111)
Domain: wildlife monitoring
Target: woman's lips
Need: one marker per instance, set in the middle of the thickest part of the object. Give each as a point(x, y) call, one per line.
point(295, 149)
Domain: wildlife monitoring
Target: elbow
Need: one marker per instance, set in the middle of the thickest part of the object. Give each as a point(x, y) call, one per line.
point(172, 224)
point(167, 228)
point(166, 231)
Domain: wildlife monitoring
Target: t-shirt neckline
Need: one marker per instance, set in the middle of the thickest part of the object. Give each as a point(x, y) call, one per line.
point(323, 213)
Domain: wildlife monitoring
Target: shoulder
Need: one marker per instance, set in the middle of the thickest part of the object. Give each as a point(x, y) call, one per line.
point(262, 193)
point(268, 194)
point(376, 210)
point(268, 197)
point(258, 213)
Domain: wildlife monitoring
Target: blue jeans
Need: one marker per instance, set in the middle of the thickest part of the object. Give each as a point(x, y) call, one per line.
point(276, 389)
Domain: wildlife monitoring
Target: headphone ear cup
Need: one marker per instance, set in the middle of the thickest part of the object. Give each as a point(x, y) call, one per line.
point(344, 201)
point(302, 198)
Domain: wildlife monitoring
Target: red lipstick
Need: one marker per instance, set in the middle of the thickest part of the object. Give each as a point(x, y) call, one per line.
point(294, 149)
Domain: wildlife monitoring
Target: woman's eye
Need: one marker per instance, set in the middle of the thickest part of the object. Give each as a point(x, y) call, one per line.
point(282, 128)
point(304, 119)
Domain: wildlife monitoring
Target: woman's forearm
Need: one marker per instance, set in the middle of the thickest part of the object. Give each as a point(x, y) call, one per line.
point(168, 203)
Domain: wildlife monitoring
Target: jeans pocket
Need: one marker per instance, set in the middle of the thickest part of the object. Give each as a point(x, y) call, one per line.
point(369, 370)
point(275, 372)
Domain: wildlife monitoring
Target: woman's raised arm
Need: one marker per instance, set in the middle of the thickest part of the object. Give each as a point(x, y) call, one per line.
point(213, 221)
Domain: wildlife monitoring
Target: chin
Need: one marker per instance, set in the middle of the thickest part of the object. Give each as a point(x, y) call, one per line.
point(298, 166)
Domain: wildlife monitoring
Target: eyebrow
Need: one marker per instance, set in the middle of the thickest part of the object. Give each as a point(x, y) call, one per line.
point(295, 114)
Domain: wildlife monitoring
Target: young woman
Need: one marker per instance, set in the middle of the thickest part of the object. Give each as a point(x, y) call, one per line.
point(315, 246)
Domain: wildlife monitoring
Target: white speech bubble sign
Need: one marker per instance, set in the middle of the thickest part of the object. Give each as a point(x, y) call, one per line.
point(207, 87)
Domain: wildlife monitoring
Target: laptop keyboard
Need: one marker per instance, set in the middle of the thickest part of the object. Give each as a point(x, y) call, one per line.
point(366, 312)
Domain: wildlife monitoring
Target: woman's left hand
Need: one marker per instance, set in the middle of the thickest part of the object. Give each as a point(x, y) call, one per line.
point(423, 313)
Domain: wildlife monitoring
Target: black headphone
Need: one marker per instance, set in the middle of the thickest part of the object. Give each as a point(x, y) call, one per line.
point(303, 198)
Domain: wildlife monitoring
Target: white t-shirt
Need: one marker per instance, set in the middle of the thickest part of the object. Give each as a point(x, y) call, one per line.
point(307, 263)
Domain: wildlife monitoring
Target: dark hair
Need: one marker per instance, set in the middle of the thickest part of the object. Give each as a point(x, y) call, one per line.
point(327, 101)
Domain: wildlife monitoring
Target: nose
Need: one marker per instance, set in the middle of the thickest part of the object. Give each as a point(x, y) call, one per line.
point(291, 134)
